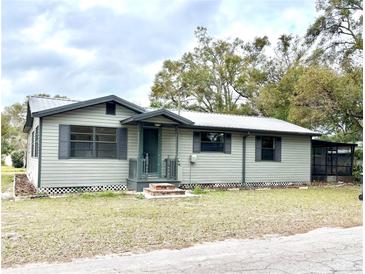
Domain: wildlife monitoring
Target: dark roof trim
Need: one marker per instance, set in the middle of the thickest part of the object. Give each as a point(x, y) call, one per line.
point(29, 120)
point(321, 143)
point(160, 112)
point(252, 131)
point(88, 103)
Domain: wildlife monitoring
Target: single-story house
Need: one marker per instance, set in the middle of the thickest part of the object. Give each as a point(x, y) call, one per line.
point(110, 143)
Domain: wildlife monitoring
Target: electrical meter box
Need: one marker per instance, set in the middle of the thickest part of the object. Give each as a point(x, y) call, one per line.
point(193, 158)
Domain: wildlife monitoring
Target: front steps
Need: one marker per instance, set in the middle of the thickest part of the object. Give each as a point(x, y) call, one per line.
point(163, 189)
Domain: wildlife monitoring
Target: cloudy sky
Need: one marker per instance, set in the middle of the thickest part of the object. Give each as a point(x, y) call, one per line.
point(88, 48)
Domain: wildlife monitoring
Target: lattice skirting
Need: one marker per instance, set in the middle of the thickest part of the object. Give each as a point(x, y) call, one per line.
point(243, 185)
point(78, 189)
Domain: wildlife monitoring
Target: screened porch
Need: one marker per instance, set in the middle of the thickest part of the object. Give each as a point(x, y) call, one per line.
point(332, 161)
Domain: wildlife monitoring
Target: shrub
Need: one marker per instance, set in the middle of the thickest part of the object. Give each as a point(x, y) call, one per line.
point(357, 174)
point(198, 190)
point(17, 158)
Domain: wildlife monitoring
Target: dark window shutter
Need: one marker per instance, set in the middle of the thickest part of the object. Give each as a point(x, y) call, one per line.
point(122, 143)
point(227, 143)
point(196, 142)
point(64, 142)
point(32, 149)
point(258, 146)
point(277, 149)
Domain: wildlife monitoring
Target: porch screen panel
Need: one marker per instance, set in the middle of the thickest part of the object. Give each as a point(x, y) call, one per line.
point(344, 161)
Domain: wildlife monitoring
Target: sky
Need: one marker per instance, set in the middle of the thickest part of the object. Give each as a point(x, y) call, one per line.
point(85, 49)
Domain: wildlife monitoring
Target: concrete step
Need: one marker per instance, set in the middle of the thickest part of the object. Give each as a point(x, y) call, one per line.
point(162, 186)
point(164, 192)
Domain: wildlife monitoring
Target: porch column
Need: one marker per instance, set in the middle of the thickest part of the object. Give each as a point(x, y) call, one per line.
point(177, 164)
point(139, 150)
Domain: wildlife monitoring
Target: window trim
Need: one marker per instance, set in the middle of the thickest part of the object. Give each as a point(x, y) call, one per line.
point(94, 142)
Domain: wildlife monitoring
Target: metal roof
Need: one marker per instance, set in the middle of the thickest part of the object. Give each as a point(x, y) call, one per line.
point(37, 103)
point(43, 106)
point(241, 122)
point(68, 105)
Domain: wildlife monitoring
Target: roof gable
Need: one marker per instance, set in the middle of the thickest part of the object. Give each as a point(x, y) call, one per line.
point(155, 113)
point(72, 105)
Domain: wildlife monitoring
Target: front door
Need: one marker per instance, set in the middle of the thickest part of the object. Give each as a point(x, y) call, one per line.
point(151, 150)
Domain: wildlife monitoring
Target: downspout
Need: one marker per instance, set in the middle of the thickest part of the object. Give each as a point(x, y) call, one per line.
point(40, 151)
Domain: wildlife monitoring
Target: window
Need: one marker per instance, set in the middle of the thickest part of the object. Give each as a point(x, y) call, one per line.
point(268, 148)
point(212, 141)
point(81, 141)
point(36, 137)
point(93, 142)
point(110, 108)
point(106, 142)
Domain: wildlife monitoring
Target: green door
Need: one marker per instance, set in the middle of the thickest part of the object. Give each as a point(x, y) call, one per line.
point(151, 149)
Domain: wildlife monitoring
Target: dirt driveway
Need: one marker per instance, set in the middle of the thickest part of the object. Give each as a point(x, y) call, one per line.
point(325, 250)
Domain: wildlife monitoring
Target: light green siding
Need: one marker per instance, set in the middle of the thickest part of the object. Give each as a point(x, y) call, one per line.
point(294, 165)
point(225, 168)
point(210, 167)
point(32, 162)
point(84, 172)
point(168, 146)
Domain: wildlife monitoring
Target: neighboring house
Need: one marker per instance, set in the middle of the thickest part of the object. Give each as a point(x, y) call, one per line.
point(110, 143)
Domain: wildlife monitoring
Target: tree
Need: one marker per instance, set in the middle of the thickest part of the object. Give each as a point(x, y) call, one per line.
point(12, 121)
point(275, 98)
point(218, 76)
point(283, 70)
point(6, 147)
point(328, 101)
point(12, 136)
point(337, 32)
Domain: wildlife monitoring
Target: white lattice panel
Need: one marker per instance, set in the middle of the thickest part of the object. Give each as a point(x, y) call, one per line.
point(78, 189)
point(244, 185)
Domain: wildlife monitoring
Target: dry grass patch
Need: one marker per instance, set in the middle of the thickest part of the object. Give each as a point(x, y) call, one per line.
point(6, 182)
point(87, 225)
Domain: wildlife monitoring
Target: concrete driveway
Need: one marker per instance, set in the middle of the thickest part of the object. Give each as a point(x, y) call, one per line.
point(325, 250)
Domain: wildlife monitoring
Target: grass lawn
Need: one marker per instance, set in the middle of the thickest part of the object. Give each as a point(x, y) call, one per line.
point(12, 170)
point(87, 225)
point(7, 176)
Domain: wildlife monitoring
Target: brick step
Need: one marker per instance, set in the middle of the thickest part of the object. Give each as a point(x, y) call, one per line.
point(164, 192)
point(162, 186)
